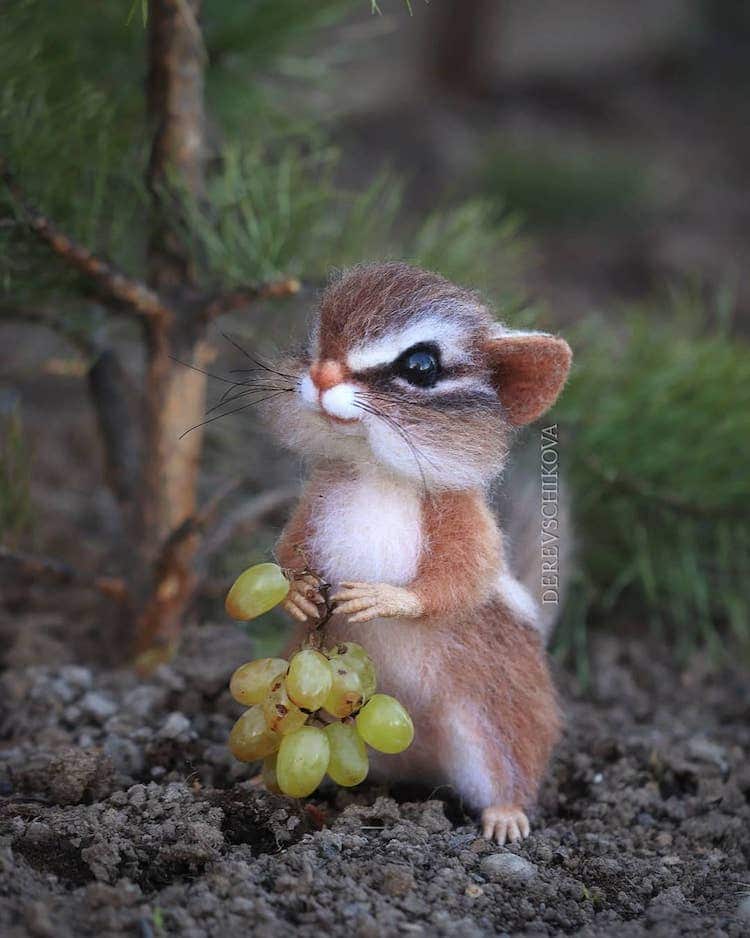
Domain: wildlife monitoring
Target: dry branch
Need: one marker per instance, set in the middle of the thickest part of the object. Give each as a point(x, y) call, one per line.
point(32, 567)
point(111, 395)
point(181, 570)
point(244, 296)
point(122, 292)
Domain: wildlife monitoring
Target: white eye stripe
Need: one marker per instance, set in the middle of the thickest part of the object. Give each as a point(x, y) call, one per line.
point(447, 335)
point(448, 384)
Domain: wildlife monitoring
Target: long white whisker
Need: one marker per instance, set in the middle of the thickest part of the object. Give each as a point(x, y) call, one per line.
point(236, 410)
point(394, 425)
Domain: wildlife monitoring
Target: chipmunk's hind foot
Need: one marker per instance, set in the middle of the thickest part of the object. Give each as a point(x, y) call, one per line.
point(505, 824)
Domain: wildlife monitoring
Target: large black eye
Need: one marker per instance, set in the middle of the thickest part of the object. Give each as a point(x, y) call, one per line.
point(419, 365)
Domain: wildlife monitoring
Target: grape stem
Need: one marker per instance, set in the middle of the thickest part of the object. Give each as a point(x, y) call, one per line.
point(324, 588)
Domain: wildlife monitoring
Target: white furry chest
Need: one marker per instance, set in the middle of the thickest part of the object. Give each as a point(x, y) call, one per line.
point(368, 528)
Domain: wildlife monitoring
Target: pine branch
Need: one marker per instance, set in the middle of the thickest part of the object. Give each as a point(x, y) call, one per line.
point(121, 292)
point(233, 300)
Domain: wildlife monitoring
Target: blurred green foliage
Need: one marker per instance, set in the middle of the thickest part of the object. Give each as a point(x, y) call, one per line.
point(552, 189)
point(286, 214)
point(75, 132)
point(656, 420)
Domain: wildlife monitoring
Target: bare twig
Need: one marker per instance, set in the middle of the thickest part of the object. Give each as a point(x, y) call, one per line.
point(245, 296)
point(180, 570)
point(34, 567)
point(110, 392)
point(248, 513)
point(79, 339)
point(126, 293)
point(245, 517)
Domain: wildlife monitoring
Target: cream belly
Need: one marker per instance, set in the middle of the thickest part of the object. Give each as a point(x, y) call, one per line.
point(368, 528)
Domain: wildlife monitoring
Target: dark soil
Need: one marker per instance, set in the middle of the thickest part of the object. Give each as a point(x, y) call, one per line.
point(123, 814)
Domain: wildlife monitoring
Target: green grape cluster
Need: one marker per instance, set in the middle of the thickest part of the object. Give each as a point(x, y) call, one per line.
point(313, 715)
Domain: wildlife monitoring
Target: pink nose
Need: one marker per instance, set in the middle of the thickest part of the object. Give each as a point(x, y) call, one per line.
point(326, 374)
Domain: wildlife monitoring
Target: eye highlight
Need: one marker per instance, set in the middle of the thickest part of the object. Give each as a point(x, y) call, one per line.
point(419, 365)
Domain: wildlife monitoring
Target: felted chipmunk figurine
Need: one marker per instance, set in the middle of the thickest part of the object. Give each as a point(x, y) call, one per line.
point(405, 405)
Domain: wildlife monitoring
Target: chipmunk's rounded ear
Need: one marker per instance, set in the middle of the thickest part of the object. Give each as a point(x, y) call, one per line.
point(528, 371)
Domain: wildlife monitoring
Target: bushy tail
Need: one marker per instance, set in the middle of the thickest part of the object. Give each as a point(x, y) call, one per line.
point(536, 520)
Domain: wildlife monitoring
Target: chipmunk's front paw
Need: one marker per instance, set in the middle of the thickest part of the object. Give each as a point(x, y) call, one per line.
point(362, 602)
point(505, 824)
point(300, 601)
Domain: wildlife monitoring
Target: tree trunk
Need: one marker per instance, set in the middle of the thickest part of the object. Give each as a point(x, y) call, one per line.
point(177, 61)
point(175, 395)
point(152, 464)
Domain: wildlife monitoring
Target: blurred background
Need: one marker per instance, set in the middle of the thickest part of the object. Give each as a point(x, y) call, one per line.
point(585, 165)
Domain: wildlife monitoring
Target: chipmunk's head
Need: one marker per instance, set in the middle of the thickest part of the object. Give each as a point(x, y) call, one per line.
point(409, 371)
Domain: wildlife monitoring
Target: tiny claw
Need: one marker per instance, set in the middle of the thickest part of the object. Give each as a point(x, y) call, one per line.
point(304, 604)
point(353, 605)
point(505, 824)
point(293, 610)
point(513, 832)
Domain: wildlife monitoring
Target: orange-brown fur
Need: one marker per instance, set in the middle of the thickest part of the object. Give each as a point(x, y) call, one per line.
point(515, 366)
point(470, 667)
point(295, 537)
point(486, 658)
point(463, 552)
point(512, 686)
point(374, 297)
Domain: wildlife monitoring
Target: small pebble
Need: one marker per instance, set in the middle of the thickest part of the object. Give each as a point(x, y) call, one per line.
point(175, 726)
point(507, 867)
point(97, 705)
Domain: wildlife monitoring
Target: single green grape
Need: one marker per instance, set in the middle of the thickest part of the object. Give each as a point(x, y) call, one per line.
point(354, 657)
point(251, 682)
point(385, 725)
point(257, 590)
point(269, 774)
point(302, 761)
point(309, 679)
point(349, 764)
point(345, 696)
point(281, 712)
point(250, 738)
